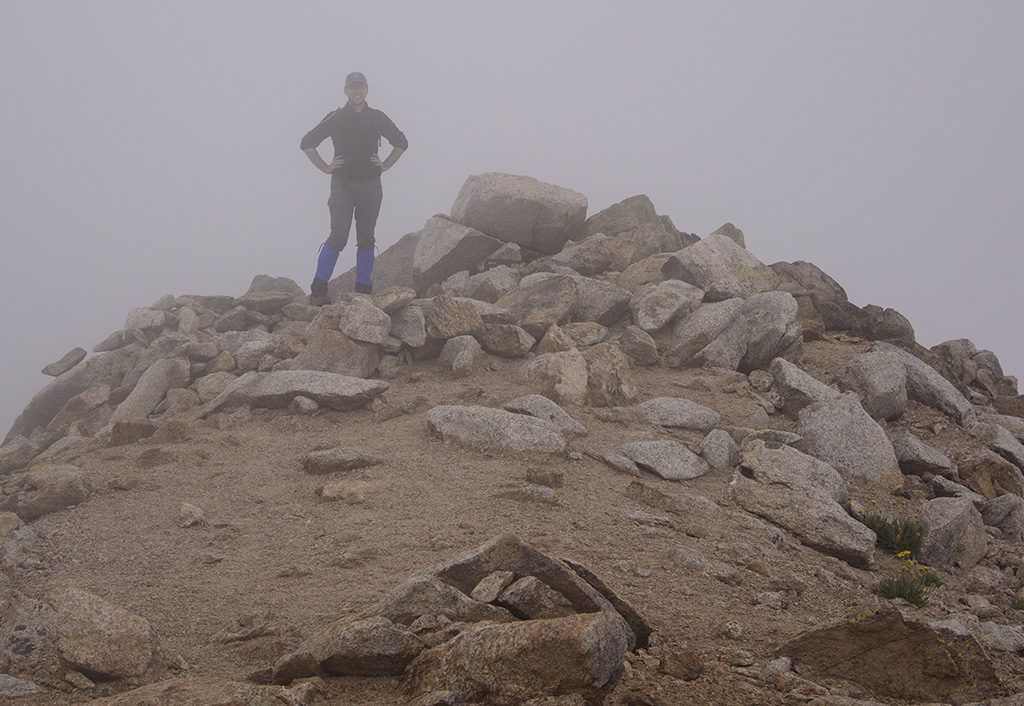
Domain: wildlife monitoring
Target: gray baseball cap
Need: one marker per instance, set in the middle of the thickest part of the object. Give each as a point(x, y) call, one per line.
point(355, 77)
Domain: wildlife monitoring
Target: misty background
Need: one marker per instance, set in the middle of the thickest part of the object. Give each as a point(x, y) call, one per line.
point(153, 148)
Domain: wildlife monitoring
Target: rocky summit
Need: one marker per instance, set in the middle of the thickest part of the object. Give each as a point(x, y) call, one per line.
point(553, 460)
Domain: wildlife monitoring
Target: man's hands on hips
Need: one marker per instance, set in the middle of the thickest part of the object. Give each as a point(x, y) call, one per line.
point(375, 158)
point(338, 161)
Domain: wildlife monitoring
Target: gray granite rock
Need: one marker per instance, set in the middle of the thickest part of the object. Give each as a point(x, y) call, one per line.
point(880, 380)
point(952, 532)
point(803, 495)
point(764, 328)
point(487, 428)
point(646, 271)
point(521, 210)
point(719, 449)
point(840, 433)
point(543, 408)
point(667, 459)
point(152, 387)
point(639, 347)
point(656, 305)
point(48, 488)
point(337, 459)
point(531, 599)
point(279, 388)
point(610, 382)
point(445, 247)
point(235, 319)
point(541, 300)
point(409, 325)
point(693, 333)
point(492, 284)
point(506, 340)
point(677, 412)
point(721, 268)
point(585, 333)
point(928, 387)
point(461, 355)
point(589, 257)
point(362, 321)
point(561, 376)
point(601, 302)
point(278, 285)
point(70, 360)
point(797, 388)
point(1007, 513)
point(917, 458)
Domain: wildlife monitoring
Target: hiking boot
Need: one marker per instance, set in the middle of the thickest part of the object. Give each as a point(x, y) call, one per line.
point(318, 293)
point(364, 288)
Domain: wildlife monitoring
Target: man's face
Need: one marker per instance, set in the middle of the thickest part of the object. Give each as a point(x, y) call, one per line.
point(356, 92)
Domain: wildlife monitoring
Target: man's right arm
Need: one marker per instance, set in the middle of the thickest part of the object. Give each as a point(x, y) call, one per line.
point(312, 140)
point(319, 162)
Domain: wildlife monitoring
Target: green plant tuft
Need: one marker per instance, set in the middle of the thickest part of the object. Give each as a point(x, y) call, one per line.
point(898, 535)
point(905, 586)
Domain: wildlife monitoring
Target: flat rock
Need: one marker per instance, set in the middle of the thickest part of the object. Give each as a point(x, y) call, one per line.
point(492, 284)
point(803, 495)
point(279, 388)
point(1007, 513)
point(691, 334)
point(599, 301)
point(590, 256)
point(70, 360)
point(362, 321)
point(989, 474)
point(506, 340)
point(428, 595)
point(203, 691)
point(677, 412)
point(487, 428)
point(667, 459)
point(267, 302)
point(639, 347)
point(840, 433)
point(49, 488)
point(521, 210)
point(332, 352)
point(336, 460)
point(531, 599)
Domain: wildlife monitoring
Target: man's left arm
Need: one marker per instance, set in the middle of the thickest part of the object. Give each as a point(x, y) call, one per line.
point(398, 141)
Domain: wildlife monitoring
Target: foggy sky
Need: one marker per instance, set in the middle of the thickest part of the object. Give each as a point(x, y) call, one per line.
point(152, 148)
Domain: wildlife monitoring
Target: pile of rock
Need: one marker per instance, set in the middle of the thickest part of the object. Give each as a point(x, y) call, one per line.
point(518, 271)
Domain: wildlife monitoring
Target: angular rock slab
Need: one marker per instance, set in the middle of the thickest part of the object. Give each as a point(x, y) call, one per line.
point(445, 248)
point(666, 459)
point(368, 646)
point(70, 360)
point(428, 595)
point(278, 389)
point(541, 300)
point(803, 495)
point(337, 459)
point(721, 268)
point(488, 428)
point(655, 305)
point(541, 407)
point(840, 433)
point(521, 210)
point(880, 380)
point(797, 388)
point(511, 663)
point(892, 657)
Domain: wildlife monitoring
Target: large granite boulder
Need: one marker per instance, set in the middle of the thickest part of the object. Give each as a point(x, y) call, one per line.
point(655, 305)
point(521, 210)
point(880, 380)
point(677, 412)
point(721, 268)
point(666, 459)
point(600, 302)
point(927, 386)
point(803, 495)
point(508, 664)
point(691, 334)
point(163, 375)
point(763, 328)
point(952, 532)
point(102, 640)
point(562, 376)
point(541, 300)
point(797, 388)
point(821, 300)
point(445, 248)
point(623, 217)
point(840, 433)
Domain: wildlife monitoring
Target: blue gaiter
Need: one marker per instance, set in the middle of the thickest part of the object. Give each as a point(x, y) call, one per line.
point(364, 265)
point(325, 262)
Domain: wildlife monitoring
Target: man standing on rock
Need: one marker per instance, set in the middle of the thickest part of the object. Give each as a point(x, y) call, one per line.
point(356, 130)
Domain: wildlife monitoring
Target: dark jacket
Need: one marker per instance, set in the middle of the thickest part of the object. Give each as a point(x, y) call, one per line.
point(356, 136)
